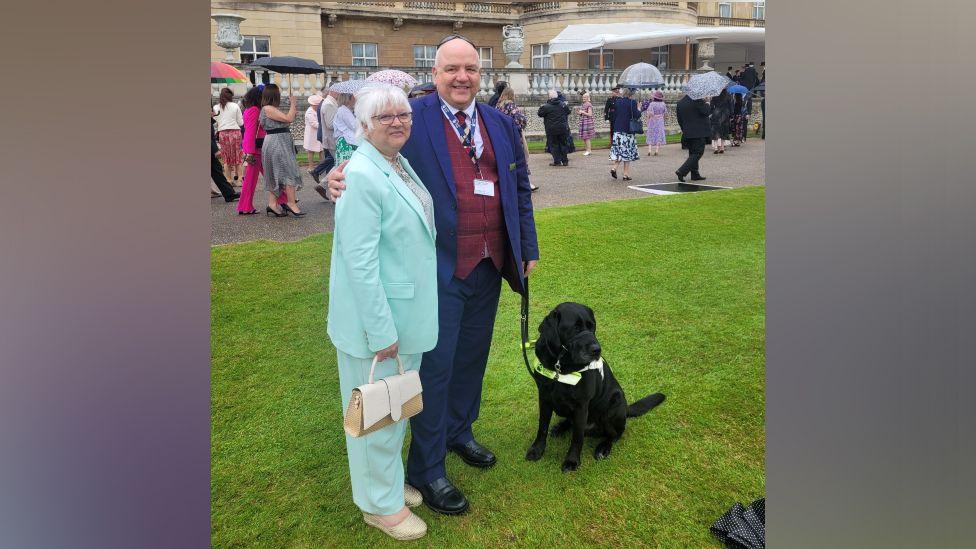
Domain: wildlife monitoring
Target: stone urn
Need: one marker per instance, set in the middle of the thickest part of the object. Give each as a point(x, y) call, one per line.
point(229, 35)
point(706, 52)
point(513, 45)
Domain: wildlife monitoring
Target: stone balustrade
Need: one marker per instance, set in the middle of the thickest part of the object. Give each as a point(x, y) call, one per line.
point(540, 81)
point(570, 81)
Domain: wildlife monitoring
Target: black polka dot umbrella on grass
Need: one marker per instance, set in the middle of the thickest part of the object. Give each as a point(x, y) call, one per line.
point(742, 527)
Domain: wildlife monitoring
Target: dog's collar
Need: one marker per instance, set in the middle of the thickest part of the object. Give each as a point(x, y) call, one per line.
point(571, 378)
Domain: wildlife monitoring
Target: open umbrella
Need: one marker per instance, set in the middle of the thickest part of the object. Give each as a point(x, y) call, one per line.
point(760, 89)
point(738, 88)
point(222, 73)
point(704, 85)
point(349, 86)
point(287, 64)
point(393, 77)
point(641, 75)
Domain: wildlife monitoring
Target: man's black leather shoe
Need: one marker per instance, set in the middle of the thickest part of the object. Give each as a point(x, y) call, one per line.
point(681, 178)
point(474, 454)
point(698, 178)
point(443, 497)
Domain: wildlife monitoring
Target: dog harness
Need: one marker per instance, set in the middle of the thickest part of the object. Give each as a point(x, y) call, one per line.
point(571, 378)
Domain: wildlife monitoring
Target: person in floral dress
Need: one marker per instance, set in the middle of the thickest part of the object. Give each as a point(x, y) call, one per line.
point(506, 104)
point(587, 127)
point(655, 110)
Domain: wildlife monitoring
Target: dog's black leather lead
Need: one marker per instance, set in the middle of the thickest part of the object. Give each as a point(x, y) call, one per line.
point(525, 324)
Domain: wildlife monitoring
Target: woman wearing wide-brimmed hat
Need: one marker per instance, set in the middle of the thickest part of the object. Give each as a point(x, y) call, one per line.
point(656, 111)
point(312, 144)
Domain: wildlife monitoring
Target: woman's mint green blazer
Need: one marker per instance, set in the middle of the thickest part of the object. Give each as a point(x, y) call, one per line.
point(383, 278)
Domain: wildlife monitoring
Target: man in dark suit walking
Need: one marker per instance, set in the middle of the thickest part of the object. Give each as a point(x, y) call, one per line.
point(471, 159)
point(693, 117)
point(608, 107)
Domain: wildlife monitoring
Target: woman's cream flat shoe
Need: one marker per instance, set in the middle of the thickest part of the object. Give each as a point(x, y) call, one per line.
point(412, 527)
point(411, 496)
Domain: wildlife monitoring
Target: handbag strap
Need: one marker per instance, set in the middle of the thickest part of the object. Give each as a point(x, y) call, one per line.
point(373, 367)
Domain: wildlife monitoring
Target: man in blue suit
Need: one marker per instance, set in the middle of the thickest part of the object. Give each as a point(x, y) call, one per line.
point(470, 158)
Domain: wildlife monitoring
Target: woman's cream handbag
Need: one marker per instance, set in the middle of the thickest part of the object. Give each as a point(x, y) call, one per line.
point(376, 405)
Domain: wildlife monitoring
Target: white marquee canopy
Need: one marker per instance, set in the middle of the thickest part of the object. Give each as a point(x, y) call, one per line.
point(632, 36)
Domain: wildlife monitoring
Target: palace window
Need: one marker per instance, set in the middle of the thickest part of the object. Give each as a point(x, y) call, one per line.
point(593, 58)
point(759, 10)
point(485, 54)
point(255, 47)
point(725, 9)
point(423, 56)
point(540, 56)
point(660, 56)
point(364, 55)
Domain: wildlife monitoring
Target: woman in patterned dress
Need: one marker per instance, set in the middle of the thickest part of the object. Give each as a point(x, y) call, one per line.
point(344, 127)
point(281, 173)
point(623, 146)
point(720, 119)
point(506, 104)
point(656, 110)
point(587, 127)
point(229, 122)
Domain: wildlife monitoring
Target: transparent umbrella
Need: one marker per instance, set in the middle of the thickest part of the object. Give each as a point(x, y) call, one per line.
point(641, 75)
point(705, 85)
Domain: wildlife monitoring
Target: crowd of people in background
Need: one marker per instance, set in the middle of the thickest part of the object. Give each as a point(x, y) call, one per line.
point(254, 139)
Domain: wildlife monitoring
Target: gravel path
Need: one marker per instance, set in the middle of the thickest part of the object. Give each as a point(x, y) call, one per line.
point(587, 179)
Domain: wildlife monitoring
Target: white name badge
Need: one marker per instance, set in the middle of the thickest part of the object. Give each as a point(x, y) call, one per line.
point(484, 187)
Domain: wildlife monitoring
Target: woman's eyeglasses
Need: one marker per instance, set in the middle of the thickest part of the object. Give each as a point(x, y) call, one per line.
point(387, 119)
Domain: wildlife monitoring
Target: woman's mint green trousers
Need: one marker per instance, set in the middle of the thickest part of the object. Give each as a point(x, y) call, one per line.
point(375, 460)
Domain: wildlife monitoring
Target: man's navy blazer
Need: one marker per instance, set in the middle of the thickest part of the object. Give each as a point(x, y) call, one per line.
point(427, 152)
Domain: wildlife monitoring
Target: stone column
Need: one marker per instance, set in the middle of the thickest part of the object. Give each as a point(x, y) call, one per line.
point(706, 51)
point(229, 35)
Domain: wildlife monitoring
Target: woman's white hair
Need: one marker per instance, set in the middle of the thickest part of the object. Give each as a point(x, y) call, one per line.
point(373, 99)
point(553, 94)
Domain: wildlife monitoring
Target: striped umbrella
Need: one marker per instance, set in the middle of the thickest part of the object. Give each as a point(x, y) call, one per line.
point(222, 73)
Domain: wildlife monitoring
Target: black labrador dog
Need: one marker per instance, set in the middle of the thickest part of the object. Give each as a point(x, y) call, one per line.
point(577, 384)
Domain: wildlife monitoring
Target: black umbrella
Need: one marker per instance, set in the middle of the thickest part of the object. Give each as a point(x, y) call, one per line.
point(287, 64)
point(741, 527)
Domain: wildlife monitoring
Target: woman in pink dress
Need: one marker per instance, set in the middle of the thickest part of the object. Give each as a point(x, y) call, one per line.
point(587, 127)
point(312, 144)
point(655, 109)
point(253, 139)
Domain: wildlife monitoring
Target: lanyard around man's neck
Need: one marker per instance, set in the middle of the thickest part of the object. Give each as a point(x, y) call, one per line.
point(465, 133)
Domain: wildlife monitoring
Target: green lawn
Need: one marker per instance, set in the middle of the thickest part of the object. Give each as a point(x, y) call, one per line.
point(677, 284)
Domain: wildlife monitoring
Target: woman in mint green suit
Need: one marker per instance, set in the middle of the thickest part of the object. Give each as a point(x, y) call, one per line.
point(382, 296)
